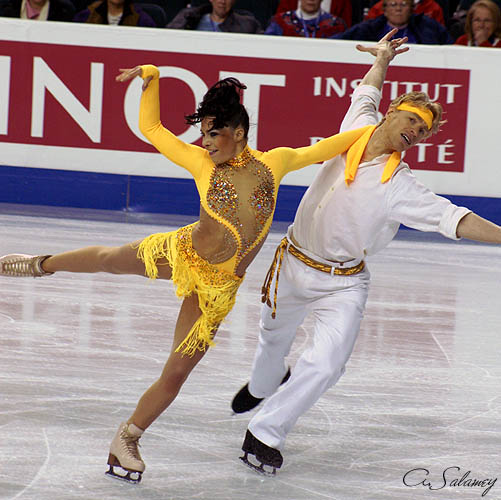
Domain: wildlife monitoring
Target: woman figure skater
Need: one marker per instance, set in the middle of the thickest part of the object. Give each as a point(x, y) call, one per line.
point(206, 260)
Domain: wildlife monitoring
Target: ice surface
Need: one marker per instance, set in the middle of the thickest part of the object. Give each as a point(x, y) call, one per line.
point(422, 389)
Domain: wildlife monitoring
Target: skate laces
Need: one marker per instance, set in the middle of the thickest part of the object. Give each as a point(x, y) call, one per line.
point(23, 265)
point(16, 266)
point(131, 444)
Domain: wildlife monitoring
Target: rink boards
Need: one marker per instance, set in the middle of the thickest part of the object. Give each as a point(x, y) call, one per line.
point(69, 134)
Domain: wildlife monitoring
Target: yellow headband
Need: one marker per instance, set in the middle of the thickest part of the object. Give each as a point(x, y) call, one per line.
point(423, 113)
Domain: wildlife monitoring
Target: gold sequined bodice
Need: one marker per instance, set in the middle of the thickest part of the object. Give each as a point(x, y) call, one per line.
point(240, 199)
point(237, 198)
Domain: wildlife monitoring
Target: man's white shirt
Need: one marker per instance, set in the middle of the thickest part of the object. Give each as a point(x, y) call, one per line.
point(340, 222)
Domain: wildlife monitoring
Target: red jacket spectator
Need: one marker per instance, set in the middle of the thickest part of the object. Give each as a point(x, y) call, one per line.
point(289, 24)
point(339, 8)
point(483, 25)
point(428, 7)
point(463, 40)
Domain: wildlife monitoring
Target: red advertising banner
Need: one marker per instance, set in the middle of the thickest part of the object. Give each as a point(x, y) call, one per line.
point(67, 96)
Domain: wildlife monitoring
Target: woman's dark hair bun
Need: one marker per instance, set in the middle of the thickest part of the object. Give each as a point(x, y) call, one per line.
point(222, 101)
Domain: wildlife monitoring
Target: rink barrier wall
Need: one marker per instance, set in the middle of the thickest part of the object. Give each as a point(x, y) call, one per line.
point(134, 193)
point(69, 132)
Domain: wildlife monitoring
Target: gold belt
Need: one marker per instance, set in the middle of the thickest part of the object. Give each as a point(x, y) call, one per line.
point(319, 266)
point(323, 267)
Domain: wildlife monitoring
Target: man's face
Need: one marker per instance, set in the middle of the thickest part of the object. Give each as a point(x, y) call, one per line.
point(398, 12)
point(310, 6)
point(222, 7)
point(405, 129)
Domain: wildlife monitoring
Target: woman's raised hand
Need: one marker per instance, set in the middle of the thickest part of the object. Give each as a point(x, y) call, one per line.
point(127, 74)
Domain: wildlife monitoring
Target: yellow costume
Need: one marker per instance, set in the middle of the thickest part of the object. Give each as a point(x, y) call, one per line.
point(237, 204)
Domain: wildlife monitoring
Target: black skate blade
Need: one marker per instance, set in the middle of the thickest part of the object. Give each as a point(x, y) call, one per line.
point(258, 468)
point(131, 477)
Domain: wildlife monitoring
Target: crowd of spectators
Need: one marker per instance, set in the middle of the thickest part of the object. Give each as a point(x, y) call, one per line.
point(436, 22)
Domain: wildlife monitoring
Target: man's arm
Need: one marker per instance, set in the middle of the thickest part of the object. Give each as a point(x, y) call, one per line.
point(365, 102)
point(384, 51)
point(473, 227)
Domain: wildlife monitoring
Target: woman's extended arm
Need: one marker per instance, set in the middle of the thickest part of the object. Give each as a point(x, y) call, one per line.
point(181, 153)
point(293, 159)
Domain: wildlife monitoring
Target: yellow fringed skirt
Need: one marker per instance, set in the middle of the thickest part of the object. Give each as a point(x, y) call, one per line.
point(216, 288)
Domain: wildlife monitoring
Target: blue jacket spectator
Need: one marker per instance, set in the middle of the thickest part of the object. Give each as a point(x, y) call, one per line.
point(216, 17)
point(420, 29)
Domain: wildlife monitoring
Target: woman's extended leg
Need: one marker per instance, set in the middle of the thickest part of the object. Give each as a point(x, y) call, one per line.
point(115, 260)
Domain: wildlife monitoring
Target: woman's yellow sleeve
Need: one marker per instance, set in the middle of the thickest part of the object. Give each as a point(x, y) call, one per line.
point(294, 159)
point(185, 155)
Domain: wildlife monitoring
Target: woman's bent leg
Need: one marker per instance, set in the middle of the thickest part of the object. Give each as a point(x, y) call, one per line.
point(124, 451)
point(176, 370)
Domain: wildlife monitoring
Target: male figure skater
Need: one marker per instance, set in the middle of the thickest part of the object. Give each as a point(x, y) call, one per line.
point(352, 209)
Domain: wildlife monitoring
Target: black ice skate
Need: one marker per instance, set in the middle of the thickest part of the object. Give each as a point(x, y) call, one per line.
point(245, 401)
point(265, 455)
point(124, 454)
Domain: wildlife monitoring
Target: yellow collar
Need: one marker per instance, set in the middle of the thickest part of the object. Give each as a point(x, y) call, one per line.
point(355, 153)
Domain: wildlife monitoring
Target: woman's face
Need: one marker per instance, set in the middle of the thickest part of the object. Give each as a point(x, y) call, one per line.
point(223, 144)
point(482, 24)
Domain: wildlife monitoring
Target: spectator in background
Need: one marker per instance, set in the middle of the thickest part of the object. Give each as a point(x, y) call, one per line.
point(483, 25)
point(429, 8)
point(308, 21)
point(338, 8)
point(457, 21)
point(115, 12)
point(418, 28)
point(218, 15)
point(38, 10)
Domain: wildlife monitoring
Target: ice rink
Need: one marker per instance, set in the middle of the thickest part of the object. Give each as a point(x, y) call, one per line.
point(422, 391)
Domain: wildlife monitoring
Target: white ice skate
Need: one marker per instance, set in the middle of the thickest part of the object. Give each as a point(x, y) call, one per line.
point(20, 265)
point(124, 453)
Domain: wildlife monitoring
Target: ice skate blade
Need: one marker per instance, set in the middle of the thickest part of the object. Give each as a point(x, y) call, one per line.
point(130, 476)
point(258, 468)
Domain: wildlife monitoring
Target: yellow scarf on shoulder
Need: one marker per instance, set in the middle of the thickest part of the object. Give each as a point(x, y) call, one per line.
point(356, 151)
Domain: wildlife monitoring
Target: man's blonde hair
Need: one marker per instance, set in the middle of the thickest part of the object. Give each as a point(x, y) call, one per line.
point(422, 100)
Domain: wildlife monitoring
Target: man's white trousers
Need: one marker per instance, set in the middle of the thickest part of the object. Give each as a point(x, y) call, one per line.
point(337, 304)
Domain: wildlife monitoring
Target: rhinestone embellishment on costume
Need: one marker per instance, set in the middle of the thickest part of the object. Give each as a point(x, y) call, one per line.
point(241, 191)
point(260, 201)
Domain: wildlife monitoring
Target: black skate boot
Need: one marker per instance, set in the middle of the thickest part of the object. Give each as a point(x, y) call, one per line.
point(245, 401)
point(263, 454)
